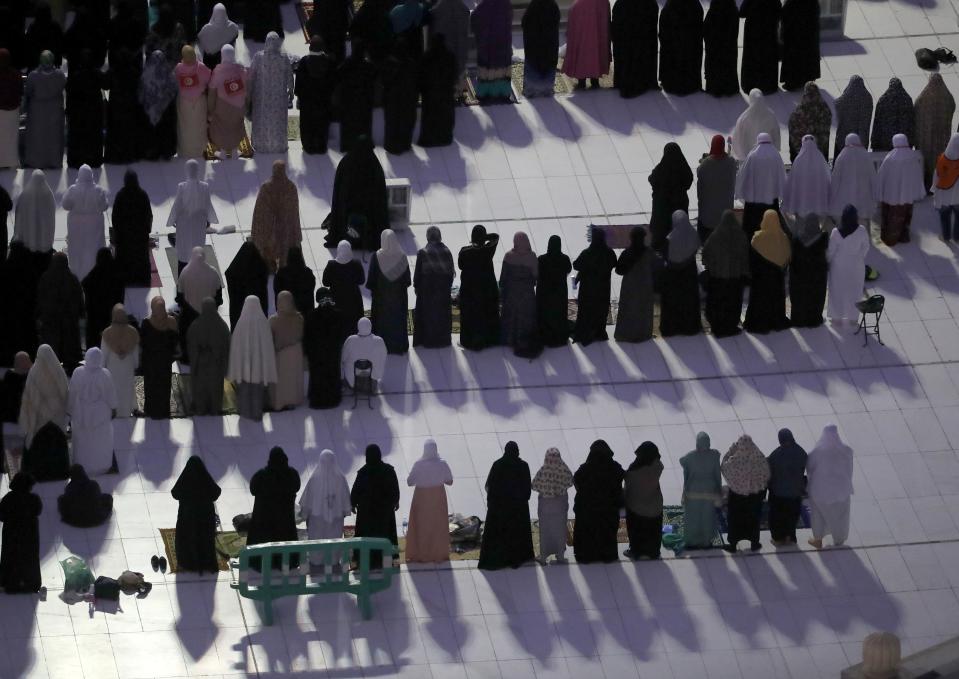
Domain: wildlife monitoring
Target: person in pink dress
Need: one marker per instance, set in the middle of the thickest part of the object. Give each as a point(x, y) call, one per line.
point(428, 536)
point(192, 79)
point(587, 42)
point(226, 103)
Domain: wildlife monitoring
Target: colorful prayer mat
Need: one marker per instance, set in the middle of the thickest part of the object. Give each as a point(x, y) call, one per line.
point(181, 397)
point(228, 545)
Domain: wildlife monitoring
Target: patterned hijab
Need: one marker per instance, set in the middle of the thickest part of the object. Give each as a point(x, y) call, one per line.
point(158, 86)
point(745, 467)
point(554, 477)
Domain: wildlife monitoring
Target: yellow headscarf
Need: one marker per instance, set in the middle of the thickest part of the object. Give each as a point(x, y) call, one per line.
point(771, 241)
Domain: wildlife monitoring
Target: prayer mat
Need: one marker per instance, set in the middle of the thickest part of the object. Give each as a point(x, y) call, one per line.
point(469, 95)
point(181, 398)
point(617, 235)
point(561, 85)
point(673, 515)
point(210, 259)
point(292, 128)
point(226, 543)
point(245, 149)
point(155, 281)
point(605, 82)
point(804, 521)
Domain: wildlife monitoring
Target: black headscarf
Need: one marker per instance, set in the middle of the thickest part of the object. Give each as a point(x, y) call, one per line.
point(631, 255)
point(598, 481)
point(509, 478)
point(478, 235)
point(786, 437)
point(247, 275)
point(849, 222)
point(195, 482)
point(646, 454)
point(541, 34)
point(22, 482)
point(672, 172)
point(298, 278)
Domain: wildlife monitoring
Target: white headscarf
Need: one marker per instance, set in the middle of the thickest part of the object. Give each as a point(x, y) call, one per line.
point(326, 495)
point(829, 468)
point(683, 241)
point(227, 54)
point(900, 175)
point(952, 148)
point(44, 394)
point(430, 470)
point(807, 184)
point(193, 193)
point(252, 357)
point(198, 280)
point(90, 386)
point(344, 252)
point(85, 197)
point(757, 117)
point(853, 180)
point(35, 218)
point(218, 32)
point(762, 177)
point(364, 345)
point(273, 43)
point(390, 257)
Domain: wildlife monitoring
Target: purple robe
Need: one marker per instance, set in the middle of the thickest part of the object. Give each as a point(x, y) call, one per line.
point(492, 23)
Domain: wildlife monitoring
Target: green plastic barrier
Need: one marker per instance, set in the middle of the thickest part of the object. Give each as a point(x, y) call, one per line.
point(286, 581)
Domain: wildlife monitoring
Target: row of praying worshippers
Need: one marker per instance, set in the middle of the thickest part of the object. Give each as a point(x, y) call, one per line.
point(692, 44)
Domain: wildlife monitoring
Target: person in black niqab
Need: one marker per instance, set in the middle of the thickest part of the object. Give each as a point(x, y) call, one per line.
point(721, 38)
point(633, 31)
point(359, 190)
point(102, 289)
point(19, 280)
point(681, 47)
point(132, 219)
point(315, 82)
point(670, 180)
point(84, 112)
point(636, 264)
point(344, 280)
point(330, 22)
point(808, 273)
point(85, 33)
point(800, 43)
point(433, 281)
point(298, 278)
point(126, 121)
point(438, 76)
point(355, 81)
point(44, 34)
point(594, 266)
point(726, 260)
point(20, 552)
point(644, 503)
point(324, 332)
point(599, 497)
point(479, 291)
point(400, 98)
point(83, 504)
point(375, 497)
point(507, 536)
point(126, 30)
point(247, 275)
point(552, 294)
point(59, 310)
point(540, 45)
point(371, 28)
point(196, 491)
point(274, 489)
point(260, 17)
point(760, 66)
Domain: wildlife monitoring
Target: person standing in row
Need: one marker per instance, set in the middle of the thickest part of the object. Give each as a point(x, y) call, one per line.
point(760, 182)
point(84, 113)
point(324, 504)
point(91, 405)
point(593, 268)
point(432, 283)
point(298, 278)
point(552, 294)
point(343, 275)
point(132, 221)
point(760, 64)
point(726, 260)
point(895, 114)
point(59, 309)
point(517, 284)
point(552, 483)
point(934, 108)
point(679, 296)
point(274, 489)
point(681, 47)
point(158, 95)
point(226, 103)
point(670, 180)
point(899, 187)
point(214, 35)
point(848, 246)
point(507, 536)
point(192, 78)
point(811, 116)
point(644, 503)
point(195, 541)
point(276, 217)
point(721, 43)
point(324, 332)
point(315, 81)
point(270, 86)
point(715, 186)
point(43, 101)
point(853, 180)
point(945, 189)
point(587, 42)
point(800, 43)
point(120, 343)
point(252, 360)
point(286, 327)
point(756, 119)
point(428, 536)
point(807, 185)
point(191, 214)
point(633, 32)
point(808, 272)
point(159, 336)
point(787, 484)
point(247, 275)
point(85, 203)
point(102, 289)
point(830, 469)
point(34, 221)
point(479, 292)
point(401, 97)
point(20, 554)
point(769, 255)
point(388, 281)
point(634, 320)
point(747, 473)
point(853, 113)
point(492, 22)
point(125, 138)
point(540, 47)
point(375, 497)
point(196, 282)
point(437, 85)
point(208, 341)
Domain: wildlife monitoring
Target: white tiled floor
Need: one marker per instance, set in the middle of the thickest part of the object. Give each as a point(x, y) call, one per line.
point(552, 167)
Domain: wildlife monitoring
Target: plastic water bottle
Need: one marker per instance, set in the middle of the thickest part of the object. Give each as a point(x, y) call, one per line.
point(406, 523)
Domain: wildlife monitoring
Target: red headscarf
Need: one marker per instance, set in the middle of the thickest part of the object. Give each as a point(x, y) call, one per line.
point(717, 147)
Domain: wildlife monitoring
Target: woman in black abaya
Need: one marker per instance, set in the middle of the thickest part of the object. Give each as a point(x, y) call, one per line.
point(726, 260)
point(437, 83)
point(808, 274)
point(540, 47)
point(721, 38)
point(20, 554)
point(298, 278)
point(132, 218)
point(158, 95)
point(800, 38)
point(634, 321)
point(593, 268)
point(356, 80)
point(260, 17)
point(274, 491)
point(400, 99)
point(19, 281)
point(517, 282)
point(681, 47)
point(126, 121)
point(507, 537)
point(359, 198)
point(330, 21)
point(324, 332)
point(84, 114)
point(59, 309)
point(769, 255)
point(102, 289)
point(599, 496)
point(552, 294)
point(670, 180)
point(44, 34)
point(159, 336)
point(343, 275)
point(432, 282)
point(86, 32)
point(479, 292)
point(247, 275)
point(196, 491)
point(760, 67)
point(633, 31)
point(388, 282)
point(375, 497)
point(679, 299)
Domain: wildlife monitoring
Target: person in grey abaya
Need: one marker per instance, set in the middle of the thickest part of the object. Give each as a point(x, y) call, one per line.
point(679, 302)
point(726, 260)
point(432, 282)
point(715, 186)
point(451, 19)
point(895, 114)
point(517, 282)
point(853, 112)
point(208, 342)
point(634, 322)
point(43, 102)
point(270, 91)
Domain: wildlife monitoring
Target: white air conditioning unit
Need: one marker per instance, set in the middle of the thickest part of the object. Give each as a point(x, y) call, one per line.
point(398, 201)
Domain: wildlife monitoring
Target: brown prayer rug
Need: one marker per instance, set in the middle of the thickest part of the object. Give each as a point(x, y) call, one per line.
point(228, 545)
point(181, 397)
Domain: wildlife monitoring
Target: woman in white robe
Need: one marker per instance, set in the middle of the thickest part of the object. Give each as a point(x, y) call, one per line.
point(44, 395)
point(853, 181)
point(760, 182)
point(91, 405)
point(900, 185)
point(364, 345)
point(85, 203)
point(219, 32)
point(34, 221)
point(191, 213)
point(120, 344)
point(846, 254)
point(324, 504)
point(829, 472)
point(757, 118)
point(428, 534)
point(252, 359)
point(807, 184)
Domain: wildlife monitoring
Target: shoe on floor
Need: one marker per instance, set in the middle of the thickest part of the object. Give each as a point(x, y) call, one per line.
point(756, 546)
point(155, 563)
point(163, 564)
